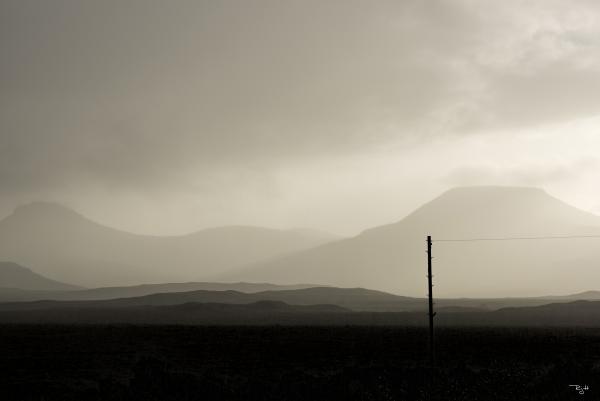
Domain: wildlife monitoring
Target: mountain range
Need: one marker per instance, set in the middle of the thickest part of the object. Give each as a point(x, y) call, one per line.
point(392, 257)
point(62, 244)
point(20, 284)
point(257, 304)
point(256, 313)
point(15, 276)
point(355, 299)
point(572, 314)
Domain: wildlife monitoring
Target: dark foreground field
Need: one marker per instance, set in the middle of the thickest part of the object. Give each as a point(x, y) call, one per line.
point(294, 363)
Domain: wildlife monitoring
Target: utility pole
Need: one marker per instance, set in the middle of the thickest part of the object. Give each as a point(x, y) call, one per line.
point(431, 312)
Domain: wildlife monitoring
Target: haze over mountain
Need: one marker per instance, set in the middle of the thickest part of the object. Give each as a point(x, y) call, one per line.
point(18, 294)
point(14, 276)
point(392, 257)
point(62, 244)
point(56, 241)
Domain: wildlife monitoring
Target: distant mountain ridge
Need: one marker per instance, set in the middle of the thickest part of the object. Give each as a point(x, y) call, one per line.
point(350, 298)
point(256, 313)
point(355, 299)
point(572, 314)
point(61, 243)
point(14, 276)
point(392, 257)
point(22, 295)
point(585, 295)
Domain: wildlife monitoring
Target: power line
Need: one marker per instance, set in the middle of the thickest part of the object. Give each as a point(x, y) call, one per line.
point(430, 276)
point(516, 238)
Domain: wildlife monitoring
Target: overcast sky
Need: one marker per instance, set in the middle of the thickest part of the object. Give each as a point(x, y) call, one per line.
point(165, 117)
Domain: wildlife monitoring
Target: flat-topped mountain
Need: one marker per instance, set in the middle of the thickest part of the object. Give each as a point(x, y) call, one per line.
point(63, 244)
point(392, 257)
point(59, 243)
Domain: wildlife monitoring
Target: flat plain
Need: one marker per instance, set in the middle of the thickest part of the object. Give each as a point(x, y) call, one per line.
point(121, 362)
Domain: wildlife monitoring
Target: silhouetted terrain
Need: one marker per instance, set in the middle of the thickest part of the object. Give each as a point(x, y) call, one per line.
point(62, 363)
point(183, 308)
point(18, 294)
point(63, 244)
point(356, 299)
point(391, 257)
point(257, 313)
point(352, 298)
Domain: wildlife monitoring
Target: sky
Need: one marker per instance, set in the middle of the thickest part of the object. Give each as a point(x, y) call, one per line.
point(167, 117)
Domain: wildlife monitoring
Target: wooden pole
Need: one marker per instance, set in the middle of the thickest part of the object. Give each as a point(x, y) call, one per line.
point(431, 312)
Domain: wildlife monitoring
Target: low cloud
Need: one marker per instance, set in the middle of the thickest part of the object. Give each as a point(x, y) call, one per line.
point(203, 99)
point(525, 175)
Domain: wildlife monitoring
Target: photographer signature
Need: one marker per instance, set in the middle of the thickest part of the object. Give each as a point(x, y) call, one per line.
point(580, 388)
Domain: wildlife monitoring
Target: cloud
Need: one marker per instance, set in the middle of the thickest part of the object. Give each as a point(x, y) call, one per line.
point(540, 175)
point(199, 97)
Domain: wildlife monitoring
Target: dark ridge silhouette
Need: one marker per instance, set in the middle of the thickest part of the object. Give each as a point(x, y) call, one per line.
point(565, 314)
point(19, 295)
point(391, 257)
point(351, 298)
point(355, 299)
point(255, 313)
point(573, 314)
point(459, 309)
point(265, 306)
point(13, 276)
point(63, 244)
point(358, 299)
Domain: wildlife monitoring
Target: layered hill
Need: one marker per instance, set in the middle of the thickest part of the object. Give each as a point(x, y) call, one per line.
point(355, 299)
point(392, 257)
point(58, 242)
point(256, 313)
point(573, 314)
point(13, 276)
point(24, 295)
point(358, 299)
